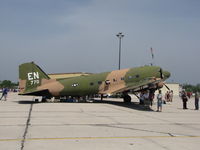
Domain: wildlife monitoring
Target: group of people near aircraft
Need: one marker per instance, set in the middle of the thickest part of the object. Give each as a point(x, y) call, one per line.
point(169, 96)
point(147, 97)
point(185, 98)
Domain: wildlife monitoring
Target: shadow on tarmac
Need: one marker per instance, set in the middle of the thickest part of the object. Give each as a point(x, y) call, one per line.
point(132, 105)
point(27, 102)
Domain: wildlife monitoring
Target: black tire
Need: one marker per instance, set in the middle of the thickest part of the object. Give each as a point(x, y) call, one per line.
point(127, 99)
point(44, 100)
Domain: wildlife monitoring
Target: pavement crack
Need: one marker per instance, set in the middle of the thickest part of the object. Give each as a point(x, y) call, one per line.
point(145, 130)
point(158, 144)
point(26, 128)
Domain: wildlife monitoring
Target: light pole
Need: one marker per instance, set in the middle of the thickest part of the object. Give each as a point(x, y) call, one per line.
point(120, 36)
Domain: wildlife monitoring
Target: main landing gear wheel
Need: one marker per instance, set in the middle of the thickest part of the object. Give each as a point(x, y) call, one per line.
point(127, 98)
point(44, 99)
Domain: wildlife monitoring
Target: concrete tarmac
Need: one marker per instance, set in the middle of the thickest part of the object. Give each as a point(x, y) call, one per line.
point(25, 125)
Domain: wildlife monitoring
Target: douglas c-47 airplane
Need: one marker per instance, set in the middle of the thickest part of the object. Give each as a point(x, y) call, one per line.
point(34, 81)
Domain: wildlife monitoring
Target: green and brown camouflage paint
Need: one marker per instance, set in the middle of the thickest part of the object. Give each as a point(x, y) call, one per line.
point(33, 80)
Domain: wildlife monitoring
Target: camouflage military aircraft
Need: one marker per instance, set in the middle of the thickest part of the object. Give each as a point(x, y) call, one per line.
point(34, 81)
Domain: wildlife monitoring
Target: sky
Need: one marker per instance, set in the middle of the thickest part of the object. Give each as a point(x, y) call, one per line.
point(80, 36)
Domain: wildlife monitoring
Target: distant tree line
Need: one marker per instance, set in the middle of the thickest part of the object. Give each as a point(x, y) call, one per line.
point(191, 88)
point(8, 84)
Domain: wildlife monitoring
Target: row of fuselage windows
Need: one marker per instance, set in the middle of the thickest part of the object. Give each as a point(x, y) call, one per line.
point(107, 82)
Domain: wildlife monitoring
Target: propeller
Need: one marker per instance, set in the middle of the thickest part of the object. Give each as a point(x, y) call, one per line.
point(161, 73)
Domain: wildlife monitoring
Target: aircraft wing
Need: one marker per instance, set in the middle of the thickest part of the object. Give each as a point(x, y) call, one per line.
point(149, 83)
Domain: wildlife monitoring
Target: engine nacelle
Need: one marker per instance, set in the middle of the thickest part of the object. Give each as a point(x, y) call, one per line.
point(160, 85)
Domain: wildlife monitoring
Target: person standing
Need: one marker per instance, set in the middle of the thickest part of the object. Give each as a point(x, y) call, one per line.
point(196, 101)
point(151, 97)
point(184, 99)
point(4, 94)
point(142, 98)
point(166, 99)
point(159, 101)
point(171, 95)
point(146, 98)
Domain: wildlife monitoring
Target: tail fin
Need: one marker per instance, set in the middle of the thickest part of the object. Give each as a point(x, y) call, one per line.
point(30, 77)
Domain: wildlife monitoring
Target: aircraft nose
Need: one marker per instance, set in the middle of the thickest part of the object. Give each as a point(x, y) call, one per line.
point(166, 74)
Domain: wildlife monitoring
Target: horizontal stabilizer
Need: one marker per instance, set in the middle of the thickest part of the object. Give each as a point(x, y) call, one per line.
point(37, 93)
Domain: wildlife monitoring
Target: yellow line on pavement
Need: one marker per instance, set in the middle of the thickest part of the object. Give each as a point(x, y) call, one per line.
point(93, 138)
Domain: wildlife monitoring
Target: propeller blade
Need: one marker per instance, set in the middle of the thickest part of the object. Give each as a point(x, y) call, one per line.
point(161, 73)
point(166, 86)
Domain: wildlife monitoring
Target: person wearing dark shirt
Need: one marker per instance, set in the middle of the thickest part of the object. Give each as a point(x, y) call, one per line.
point(196, 101)
point(4, 94)
point(184, 99)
